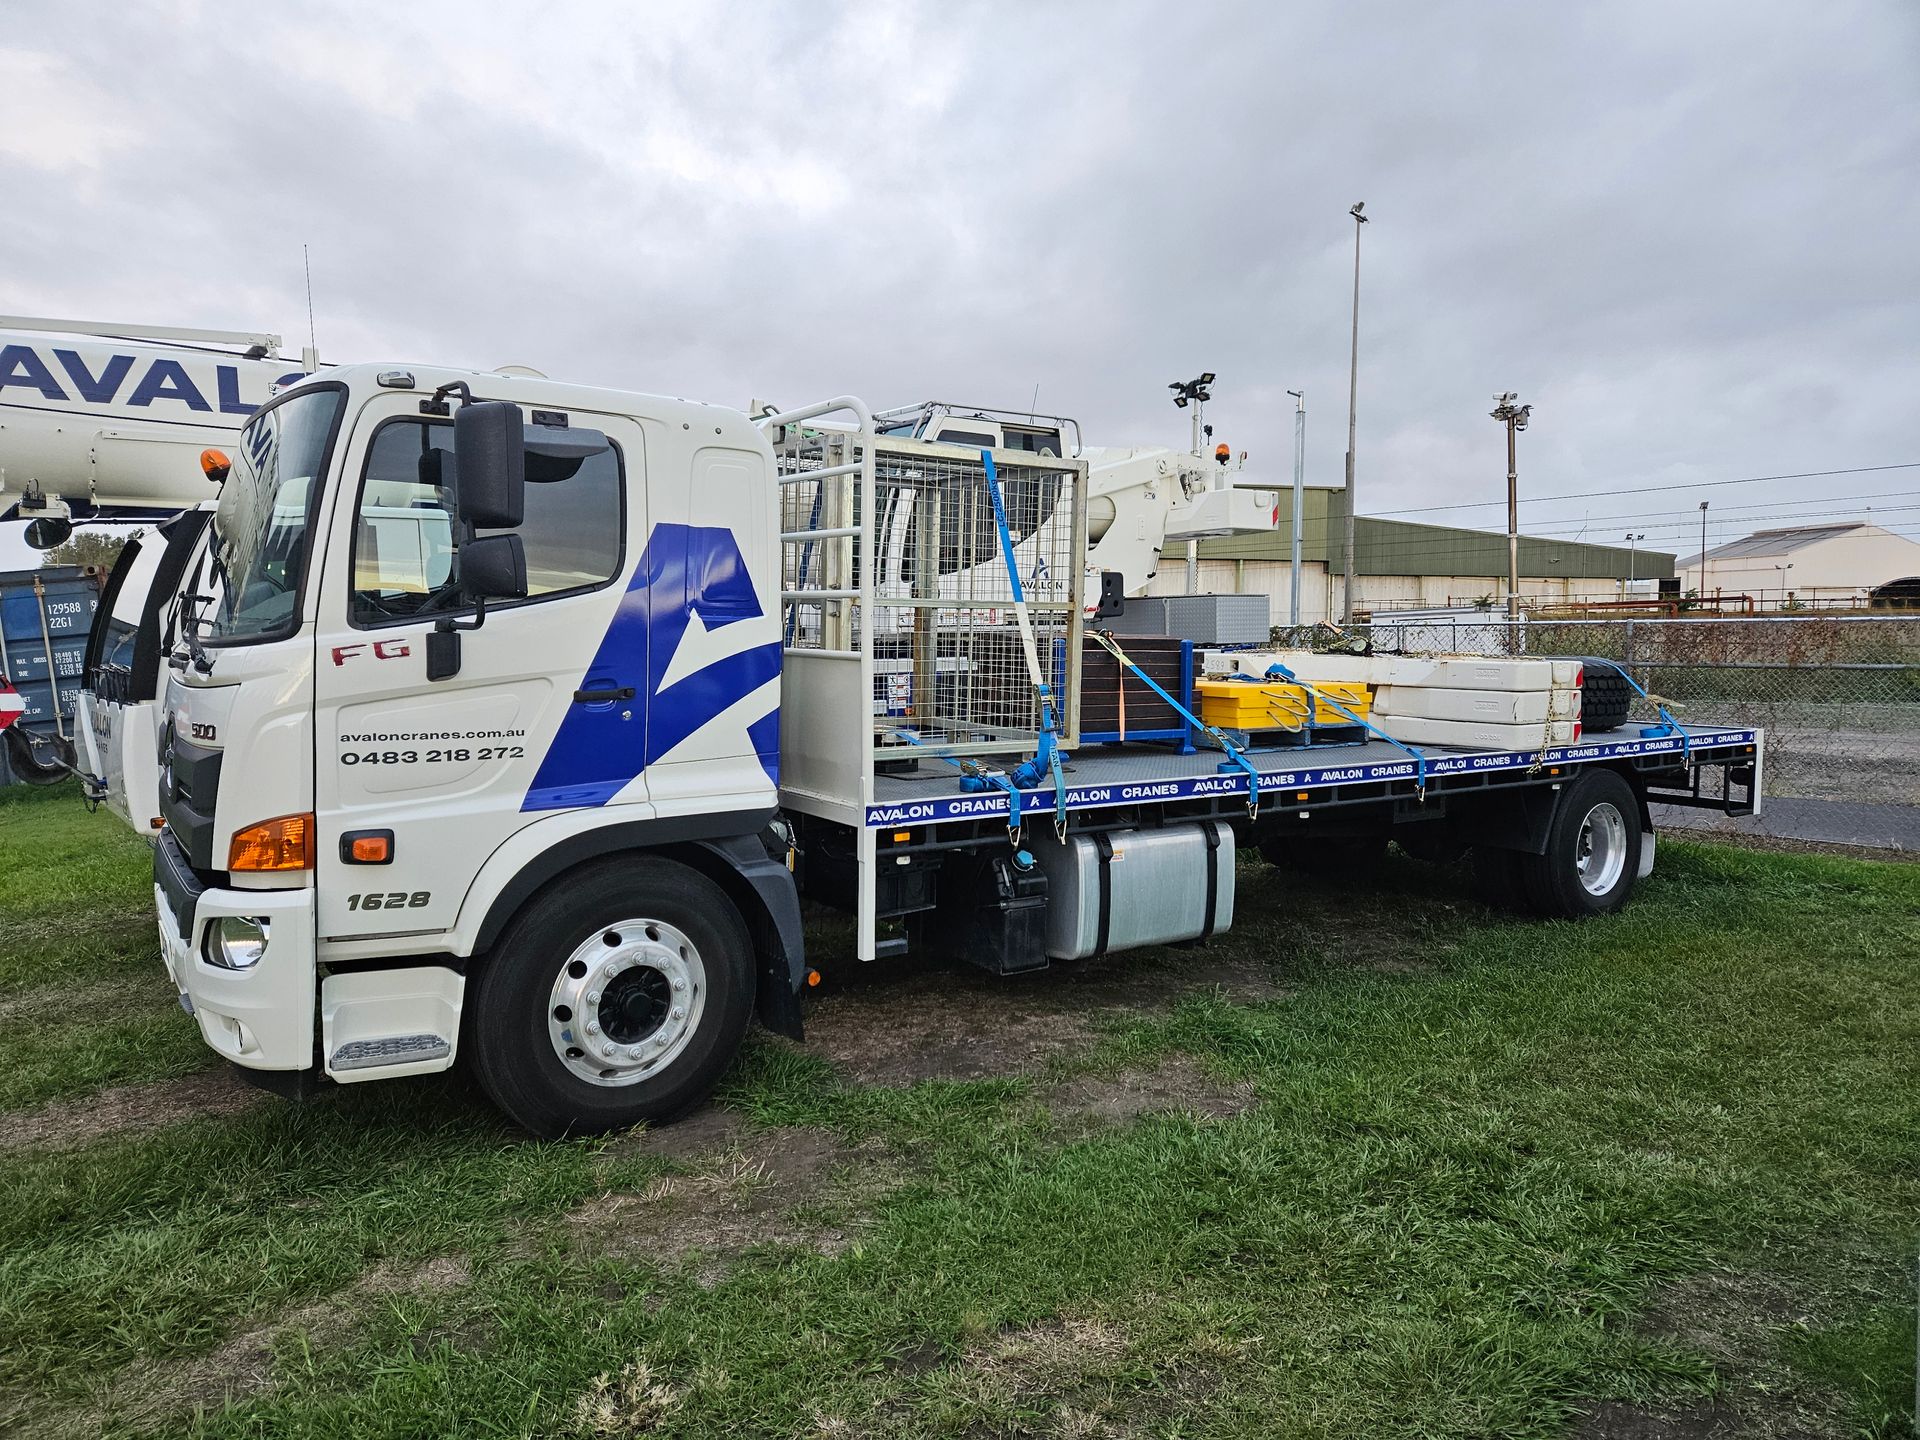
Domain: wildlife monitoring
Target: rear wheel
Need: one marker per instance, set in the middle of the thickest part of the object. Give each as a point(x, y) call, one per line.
point(1593, 850)
point(620, 995)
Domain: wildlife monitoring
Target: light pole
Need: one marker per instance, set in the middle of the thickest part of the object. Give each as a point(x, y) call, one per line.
point(1194, 392)
point(1299, 487)
point(1633, 554)
point(1353, 396)
point(1783, 580)
point(1514, 417)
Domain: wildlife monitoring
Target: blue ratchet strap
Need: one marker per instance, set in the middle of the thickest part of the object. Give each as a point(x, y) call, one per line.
point(1047, 757)
point(976, 778)
point(1669, 725)
point(1277, 670)
point(1235, 755)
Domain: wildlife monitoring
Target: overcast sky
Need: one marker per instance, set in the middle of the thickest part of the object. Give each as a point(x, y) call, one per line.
point(1689, 234)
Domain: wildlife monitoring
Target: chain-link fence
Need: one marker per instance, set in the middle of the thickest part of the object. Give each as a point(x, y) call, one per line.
point(1839, 698)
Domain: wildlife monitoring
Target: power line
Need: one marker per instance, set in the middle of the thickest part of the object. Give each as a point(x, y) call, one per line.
point(1655, 489)
point(1682, 520)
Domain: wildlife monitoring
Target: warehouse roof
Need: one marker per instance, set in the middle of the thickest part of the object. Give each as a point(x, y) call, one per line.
point(1783, 541)
point(1402, 547)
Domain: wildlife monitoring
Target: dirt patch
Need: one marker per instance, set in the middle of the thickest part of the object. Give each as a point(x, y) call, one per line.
point(957, 1023)
point(1178, 1086)
point(1729, 1318)
point(242, 1365)
point(1736, 1321)
point(790, 1187)
point(1088, 1376)
point(58, 1002)
point(1614, 1420)
point(705, 1132)
point(68, 1124)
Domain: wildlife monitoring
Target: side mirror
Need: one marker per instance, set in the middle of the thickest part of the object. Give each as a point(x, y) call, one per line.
point(493, 567)
point(489, 438)
point(47, 532)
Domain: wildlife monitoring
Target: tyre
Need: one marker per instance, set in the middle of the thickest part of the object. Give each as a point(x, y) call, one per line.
point(38, 759)
point(620, 995)
point(1593, 850)
point(1605, 695)
point(1332, 856)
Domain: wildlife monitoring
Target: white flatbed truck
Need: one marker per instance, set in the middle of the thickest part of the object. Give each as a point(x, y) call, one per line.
point(538, 781)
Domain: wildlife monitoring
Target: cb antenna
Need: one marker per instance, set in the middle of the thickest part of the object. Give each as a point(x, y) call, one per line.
point(313, 339)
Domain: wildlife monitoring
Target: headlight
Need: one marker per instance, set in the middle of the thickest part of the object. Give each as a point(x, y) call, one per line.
point(235, 942)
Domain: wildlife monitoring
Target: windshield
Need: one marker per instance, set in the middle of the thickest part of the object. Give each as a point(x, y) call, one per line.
point(260, 527)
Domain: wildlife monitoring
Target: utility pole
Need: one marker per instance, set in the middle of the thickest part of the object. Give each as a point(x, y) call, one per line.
point(1701, 579)
point(1633, 554)
point(1353, 397)
point(1514, 417)
point(1299, 490)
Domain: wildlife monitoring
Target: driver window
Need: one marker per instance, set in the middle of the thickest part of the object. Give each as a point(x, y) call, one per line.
point(404, 562)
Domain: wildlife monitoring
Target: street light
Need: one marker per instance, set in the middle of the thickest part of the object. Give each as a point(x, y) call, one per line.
point(1299, 484)
point(1353, 396)
point(1783, 580)
point(1514, 417)
point(1633, 553)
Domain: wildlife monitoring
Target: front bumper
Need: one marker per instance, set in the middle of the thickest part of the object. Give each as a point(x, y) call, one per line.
point(261, 1017)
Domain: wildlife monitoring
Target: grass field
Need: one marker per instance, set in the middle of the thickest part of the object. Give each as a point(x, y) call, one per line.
point(1379, 1162)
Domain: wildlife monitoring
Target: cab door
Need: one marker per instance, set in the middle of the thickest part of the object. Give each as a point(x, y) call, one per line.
point(432, 776)
point(133, 629)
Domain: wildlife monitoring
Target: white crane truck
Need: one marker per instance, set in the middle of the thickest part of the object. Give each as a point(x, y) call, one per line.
point(510, 721)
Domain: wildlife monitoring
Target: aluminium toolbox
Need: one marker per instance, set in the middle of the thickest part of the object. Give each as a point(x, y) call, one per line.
point(1203, 619)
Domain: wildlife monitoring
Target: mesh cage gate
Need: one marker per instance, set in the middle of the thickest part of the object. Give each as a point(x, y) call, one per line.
point(890, 550)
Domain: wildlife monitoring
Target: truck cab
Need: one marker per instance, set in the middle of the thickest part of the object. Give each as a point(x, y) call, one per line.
point(474, 663)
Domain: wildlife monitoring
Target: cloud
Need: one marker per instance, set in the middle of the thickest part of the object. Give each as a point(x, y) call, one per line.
point(1688, 235)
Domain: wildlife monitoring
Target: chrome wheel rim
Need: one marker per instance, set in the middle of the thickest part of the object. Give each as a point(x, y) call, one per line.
point(1601, 856)
point(627, 1002)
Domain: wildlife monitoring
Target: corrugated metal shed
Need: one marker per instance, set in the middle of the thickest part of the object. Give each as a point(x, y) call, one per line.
point(1402, 547)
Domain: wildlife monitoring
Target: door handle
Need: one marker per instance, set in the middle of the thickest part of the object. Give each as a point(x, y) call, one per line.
point(603, 697)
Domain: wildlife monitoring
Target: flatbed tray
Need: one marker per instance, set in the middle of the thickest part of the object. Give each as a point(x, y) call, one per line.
point(1114, 775)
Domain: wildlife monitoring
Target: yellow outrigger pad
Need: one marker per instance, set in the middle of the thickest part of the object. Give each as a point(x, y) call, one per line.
point(1278, 704)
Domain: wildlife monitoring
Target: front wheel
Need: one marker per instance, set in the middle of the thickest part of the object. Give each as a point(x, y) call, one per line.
point(620, 995)
point(1593, 850)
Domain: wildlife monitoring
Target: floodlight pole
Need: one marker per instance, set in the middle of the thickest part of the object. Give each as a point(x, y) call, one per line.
point(1353, 397)
point(1514, 417)
point(1299, 490)
point(1633, 554)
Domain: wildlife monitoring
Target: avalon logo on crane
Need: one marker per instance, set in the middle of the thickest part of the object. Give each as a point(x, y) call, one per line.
point(65, 376)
